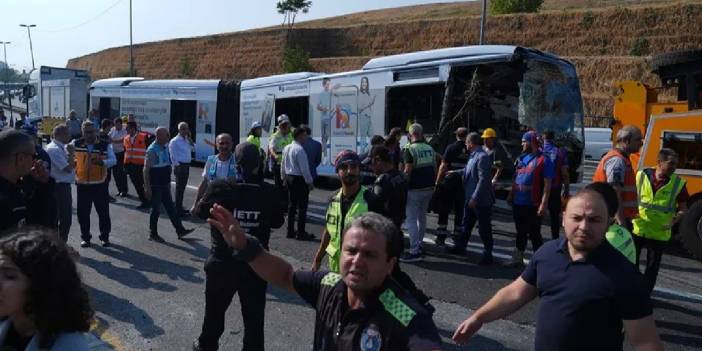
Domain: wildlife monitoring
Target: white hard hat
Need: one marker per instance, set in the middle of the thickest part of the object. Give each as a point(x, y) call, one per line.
point(255, 125)
point(283, 119)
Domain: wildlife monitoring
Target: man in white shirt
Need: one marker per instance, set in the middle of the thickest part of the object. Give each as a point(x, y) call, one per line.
point(296, 176)
point(181, 148)
point(221, 165)
point(63, 171)
point(116, 135)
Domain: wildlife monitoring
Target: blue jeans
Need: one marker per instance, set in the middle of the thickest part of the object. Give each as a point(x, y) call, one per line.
point(416, 213)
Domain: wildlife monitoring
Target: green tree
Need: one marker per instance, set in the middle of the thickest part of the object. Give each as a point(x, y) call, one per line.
point(501, 7)
point(186, 68)
point(296, 59)
point(289, 9)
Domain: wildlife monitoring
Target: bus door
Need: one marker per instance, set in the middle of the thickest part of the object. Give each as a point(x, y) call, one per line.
point(183, 111)
point(344, 120)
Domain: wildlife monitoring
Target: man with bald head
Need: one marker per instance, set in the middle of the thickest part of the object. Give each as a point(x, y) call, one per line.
point(587, 289)
point(220, 166)
point(157, 185)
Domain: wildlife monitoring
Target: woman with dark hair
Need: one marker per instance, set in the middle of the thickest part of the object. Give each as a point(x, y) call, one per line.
point(42, 298)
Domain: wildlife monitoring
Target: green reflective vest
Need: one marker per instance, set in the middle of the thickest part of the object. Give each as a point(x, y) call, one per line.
point(254, 140)
point(280, 141)
point(656, 211)
point(335, 224)
point(423, 173)
point(621, 239)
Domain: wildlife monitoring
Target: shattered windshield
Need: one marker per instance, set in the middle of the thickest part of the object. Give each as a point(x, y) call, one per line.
point(549, 99)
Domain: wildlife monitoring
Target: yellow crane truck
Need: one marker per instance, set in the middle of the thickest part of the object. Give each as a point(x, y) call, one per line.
point(676, 125)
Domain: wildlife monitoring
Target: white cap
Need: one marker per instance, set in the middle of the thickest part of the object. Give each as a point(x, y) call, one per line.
point(283, 119)
point(256, 124)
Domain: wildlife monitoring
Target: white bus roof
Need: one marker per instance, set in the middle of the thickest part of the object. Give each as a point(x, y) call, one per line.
point(114, 82)
point(277, 79)
point(175, 84)
point(441, 54)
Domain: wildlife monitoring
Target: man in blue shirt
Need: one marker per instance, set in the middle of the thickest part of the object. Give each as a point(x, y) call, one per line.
point(479, 199)
point(531, 189)
point(560, 185)
point(313, 149)
point(588, 290)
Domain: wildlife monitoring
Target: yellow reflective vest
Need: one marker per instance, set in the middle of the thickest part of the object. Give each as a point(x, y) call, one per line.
point(656, 211)
point(279, 142)
point(621, 239)
point(335, 224)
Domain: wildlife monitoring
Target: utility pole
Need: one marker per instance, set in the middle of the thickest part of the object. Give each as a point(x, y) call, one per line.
point(7, 78)
point(29, 33)
point(131, 50)
point(482, 23)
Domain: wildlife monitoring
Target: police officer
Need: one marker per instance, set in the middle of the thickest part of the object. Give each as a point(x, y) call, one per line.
point(662, 202)
point(360, 308)
point(254, 136)
point(560, 185)
point(18, 164)
point(135, 144)
point(615, 168)
point(279, 140)
point(529, 195)
point(449, 186)
point(93, 158)
point(349, 202)
point(157, 186)
point(226, 275)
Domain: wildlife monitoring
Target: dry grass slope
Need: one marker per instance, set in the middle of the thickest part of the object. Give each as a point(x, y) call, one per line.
point(597, 36)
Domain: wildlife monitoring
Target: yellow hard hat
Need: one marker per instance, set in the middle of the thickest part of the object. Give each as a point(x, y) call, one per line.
point(489, 133)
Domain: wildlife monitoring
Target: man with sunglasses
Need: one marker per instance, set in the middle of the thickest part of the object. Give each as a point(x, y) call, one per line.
point(18, 166)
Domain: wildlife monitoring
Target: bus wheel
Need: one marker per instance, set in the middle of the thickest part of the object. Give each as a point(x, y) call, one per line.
point(691, 230)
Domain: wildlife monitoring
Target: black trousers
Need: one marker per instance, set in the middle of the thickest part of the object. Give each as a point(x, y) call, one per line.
point(119, 173)
point(528, 225)
point(136, 175)
point(64, 207)
point(554, 212)
point(162, 195)
point(223, 279)
point(483, 217)
point(89, 195)
point(299, 193)
point(452, 197)
point(654, 255)
point(181, 173)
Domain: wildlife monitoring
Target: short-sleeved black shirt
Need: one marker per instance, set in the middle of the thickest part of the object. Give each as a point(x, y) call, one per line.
point(256, 213)
point(391, 319)
point(456, 155)
point(582, 303)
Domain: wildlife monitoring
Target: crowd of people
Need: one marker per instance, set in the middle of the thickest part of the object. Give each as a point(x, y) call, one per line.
point(362, 297)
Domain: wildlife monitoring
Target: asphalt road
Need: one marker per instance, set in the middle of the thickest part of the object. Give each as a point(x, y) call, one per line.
point(150, 296)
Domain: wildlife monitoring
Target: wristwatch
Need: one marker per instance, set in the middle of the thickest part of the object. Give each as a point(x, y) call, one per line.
point(252, 249)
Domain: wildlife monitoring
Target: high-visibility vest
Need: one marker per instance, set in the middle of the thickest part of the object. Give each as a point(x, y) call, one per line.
point(335, 224)
point(423, 173)
point(656, 211)
point(628, 202)
point(620, 238)
point(254, 140)
point(86, 171)
point(135, 153)
point(280, 141)
point(212, 160)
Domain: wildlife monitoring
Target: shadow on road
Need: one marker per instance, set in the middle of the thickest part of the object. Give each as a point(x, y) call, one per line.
point(477, 342)
point(283, 296)
point(672, 307)
point(147, 263)
point(124, 311)
point(126, 276)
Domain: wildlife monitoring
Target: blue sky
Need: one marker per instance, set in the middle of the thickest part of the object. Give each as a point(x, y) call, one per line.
point(71, 28)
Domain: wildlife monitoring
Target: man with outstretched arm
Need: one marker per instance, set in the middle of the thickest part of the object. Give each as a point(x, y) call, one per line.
point(587, 289)
point(359, 309)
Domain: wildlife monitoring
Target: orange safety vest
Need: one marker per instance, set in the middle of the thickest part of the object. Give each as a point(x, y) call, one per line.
point(86, 171)
point(135, 153)
point(629, 203)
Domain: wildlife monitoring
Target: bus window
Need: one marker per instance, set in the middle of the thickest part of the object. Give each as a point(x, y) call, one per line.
point(415, 104)
point(297, 109)
point(687, 146)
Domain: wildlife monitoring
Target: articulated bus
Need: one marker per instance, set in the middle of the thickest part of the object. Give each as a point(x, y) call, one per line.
point(508, 88)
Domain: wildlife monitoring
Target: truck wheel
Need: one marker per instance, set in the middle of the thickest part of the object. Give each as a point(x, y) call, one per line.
point(674, 58)
point(691, 230)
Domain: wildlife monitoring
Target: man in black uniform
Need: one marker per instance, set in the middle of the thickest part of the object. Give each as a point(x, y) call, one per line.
point(359, 309)
point(449, 186)
point(18, 165)
point(225, 275)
